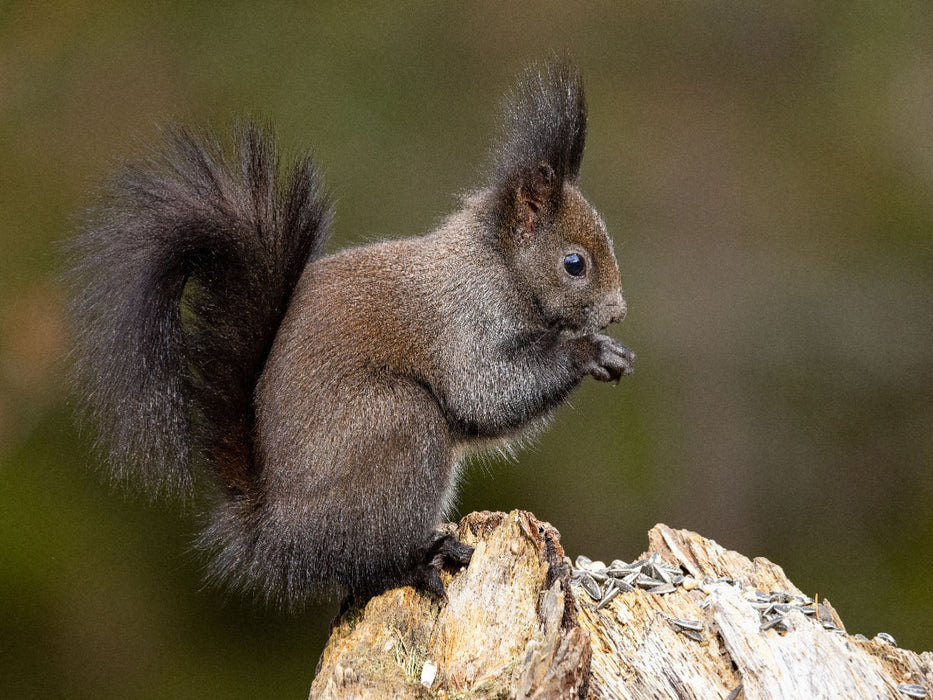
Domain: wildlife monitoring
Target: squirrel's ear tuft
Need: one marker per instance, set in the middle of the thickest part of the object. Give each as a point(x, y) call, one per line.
point(541, 142)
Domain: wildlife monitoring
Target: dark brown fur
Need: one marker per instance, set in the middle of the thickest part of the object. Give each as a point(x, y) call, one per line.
point(334, 397)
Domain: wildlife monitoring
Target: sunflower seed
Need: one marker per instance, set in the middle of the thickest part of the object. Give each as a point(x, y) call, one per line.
point(776, 621)
point(621, 567)
point(647, 582)
point(825, 615)
point(591, 587)
point(735, 692)
point(886, 638)
point(692, 634)
point(611, 593)
point(695, 625)
point(912, 690)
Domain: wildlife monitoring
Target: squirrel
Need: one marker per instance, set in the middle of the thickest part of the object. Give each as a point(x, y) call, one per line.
point(332, 398)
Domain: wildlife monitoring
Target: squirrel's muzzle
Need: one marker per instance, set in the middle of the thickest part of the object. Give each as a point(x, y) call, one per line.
point(614, 309)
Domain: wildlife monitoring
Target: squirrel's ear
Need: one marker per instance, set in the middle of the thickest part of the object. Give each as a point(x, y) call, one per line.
point(541, 142)
point(525, 196)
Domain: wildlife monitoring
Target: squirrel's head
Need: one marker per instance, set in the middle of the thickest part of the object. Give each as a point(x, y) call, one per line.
point(553, 240)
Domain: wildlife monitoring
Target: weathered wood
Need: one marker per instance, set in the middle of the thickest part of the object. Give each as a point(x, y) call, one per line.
point(639, 653)
point(515, 625)
point(508, 628)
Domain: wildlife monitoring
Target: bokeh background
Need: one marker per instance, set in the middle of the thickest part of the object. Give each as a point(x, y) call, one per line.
point(766, 170)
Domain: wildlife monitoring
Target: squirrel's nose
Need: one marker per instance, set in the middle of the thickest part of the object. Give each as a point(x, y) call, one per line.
point(616, 307)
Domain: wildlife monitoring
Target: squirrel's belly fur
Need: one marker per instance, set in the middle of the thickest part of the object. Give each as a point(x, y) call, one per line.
point(332, 398)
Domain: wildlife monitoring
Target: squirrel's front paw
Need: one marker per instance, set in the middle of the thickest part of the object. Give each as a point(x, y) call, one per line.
point(612, 361)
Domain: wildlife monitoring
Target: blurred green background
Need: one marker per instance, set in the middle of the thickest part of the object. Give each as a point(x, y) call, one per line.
point(766, 171)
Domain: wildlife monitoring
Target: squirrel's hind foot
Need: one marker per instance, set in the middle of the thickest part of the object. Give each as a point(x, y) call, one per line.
point(445, 550)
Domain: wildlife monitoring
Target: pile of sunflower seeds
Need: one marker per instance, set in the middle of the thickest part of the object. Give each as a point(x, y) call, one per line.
point(603, 583)
point(773, 608)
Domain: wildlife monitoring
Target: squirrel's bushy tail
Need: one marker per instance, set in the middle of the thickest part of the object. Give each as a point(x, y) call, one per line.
point(183, 273)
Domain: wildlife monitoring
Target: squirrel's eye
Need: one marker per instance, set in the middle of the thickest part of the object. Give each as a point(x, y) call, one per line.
point(574, 264)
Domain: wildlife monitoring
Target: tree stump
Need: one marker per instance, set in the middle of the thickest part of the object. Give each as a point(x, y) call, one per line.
point(688, 619)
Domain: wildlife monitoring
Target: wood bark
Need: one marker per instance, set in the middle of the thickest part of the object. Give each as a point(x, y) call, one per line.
point(518, 623)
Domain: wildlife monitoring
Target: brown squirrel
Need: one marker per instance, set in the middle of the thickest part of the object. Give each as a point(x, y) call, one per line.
point(333, 397)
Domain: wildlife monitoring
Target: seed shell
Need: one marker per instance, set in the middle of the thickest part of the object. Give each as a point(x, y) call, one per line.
point(591, 587)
